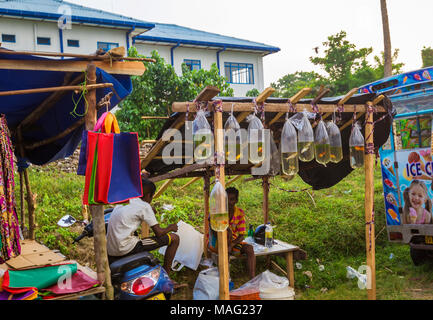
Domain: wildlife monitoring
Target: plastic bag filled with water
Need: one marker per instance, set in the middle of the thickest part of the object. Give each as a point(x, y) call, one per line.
point(218, 208)
point(289, 149)
point(232, 139)
point(202, 137)
point(305, 140)
point(356, 147)
point(336, 147)
point(322, 147)
point(256, 140)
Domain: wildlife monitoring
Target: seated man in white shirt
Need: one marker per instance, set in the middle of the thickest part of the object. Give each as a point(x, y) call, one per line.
point(125, 220)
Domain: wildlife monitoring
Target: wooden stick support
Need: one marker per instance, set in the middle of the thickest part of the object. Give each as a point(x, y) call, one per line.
point(163, 188)
point(298, 96)
point(369, 202)
point(233, 180)
point(55, 89)
point(223, 254)
point(265, 205)
point(190, 182)
point(206, 192)
point(97, 211)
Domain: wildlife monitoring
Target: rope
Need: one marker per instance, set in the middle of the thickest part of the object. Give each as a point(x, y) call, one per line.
point(259, 108)
point(83, 94)
point(370, 224)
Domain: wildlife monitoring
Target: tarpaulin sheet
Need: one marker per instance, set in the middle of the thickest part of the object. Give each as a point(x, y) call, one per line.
point(59, 117)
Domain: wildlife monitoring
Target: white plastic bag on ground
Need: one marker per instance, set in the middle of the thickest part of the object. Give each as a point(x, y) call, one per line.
point(271, 286)
point(190, 248)
point(207, 285)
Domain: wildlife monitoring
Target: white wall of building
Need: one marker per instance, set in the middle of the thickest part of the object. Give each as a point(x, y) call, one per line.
point(27, 31)
point(207, 57)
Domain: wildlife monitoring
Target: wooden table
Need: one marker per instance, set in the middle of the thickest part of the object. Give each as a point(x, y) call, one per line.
point(281, 248)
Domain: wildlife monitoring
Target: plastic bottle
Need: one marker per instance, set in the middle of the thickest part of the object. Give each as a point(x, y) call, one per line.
point(269, 235)
point(356, 146)
point(251, 231)
point(218, 208)
point(289, 150)
point(306, 140)
point(202, 137)
point(232, 139)
point(322, 146)
point(336, 149)
point(256, 139)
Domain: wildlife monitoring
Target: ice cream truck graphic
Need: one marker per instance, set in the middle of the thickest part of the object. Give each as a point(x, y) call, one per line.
point(406, 161)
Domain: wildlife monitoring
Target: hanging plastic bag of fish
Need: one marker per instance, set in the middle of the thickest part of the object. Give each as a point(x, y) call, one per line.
point(256, 140)
point(218, 208)
point(275, 163)
point(289, 149)
point(356, 147)
point(232, 139)
point(202, 138)
point(336, 153)
point(305, 139)
point(321, 144)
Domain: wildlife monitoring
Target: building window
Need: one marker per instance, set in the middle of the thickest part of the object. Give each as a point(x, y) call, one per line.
point(240, 73)
point(44, 41)
point(107, 46)
point(192, 64)
point(8, 38)
point(74, 43)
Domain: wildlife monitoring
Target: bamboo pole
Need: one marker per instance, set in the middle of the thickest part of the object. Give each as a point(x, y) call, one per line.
point(234, 179)
point(223, 254)
point(56, 89)
point(163, 188)
point(273, 107)
point(190, 182)
point(206, 191)
point(22, 201)
point(31, 206)
point(369, 202)
point(97, 211)
point(265, 205)
point(75, 55)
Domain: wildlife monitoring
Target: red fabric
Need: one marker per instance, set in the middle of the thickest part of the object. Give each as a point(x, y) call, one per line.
point(79, 282)
point(104, 166)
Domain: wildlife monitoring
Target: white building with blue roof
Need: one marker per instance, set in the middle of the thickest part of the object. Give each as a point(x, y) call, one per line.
point(60, 26)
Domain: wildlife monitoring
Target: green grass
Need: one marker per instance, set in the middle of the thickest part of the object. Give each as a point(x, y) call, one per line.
point(331, 229)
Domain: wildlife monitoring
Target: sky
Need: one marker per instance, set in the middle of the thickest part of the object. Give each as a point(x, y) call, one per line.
point(296, 27)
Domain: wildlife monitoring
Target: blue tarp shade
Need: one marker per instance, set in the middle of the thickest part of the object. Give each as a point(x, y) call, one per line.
point(59, 117)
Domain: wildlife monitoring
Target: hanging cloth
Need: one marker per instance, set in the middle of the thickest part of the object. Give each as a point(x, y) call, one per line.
point(9, 225)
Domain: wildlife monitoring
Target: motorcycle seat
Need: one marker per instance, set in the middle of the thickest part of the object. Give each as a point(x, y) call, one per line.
point(127, 263)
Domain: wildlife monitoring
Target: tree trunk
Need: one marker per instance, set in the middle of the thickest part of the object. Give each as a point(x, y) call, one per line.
point(386, 40)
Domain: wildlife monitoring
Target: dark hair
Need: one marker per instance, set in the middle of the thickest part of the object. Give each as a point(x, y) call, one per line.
point(428, 203)
point(233, 190)
point(148, 187)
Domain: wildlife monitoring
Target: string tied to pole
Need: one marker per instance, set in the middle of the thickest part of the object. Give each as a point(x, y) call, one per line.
point(340, 110)
point(82, 95)
point(259, 108)
point(292, 108)
point(370, 229)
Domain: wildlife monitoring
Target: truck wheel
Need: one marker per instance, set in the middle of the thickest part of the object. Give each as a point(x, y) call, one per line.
point(418, 256)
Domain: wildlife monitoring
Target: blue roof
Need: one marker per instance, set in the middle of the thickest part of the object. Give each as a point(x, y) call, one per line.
point(48, 10)
point(171, 33)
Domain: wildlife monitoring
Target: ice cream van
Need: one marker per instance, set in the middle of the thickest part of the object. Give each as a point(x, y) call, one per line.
point(406, 161)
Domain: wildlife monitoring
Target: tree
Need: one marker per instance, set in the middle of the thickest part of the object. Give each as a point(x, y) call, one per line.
point(252, 93)
point(427, 57)
point(341, 61)
point(155, 91)
point(292, 83)
point(386, 40)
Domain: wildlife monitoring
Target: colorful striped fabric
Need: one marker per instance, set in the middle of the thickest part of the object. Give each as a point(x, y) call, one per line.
point(238, 224)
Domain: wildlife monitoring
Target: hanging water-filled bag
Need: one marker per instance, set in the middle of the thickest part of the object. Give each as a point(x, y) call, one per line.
point(232, 139)
point(356, 146)
point(202, 137)
point(218, 208)
point(321, 144)
point(256, 138)
point(336, 149)
point(289, 149)
point(305, 140)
